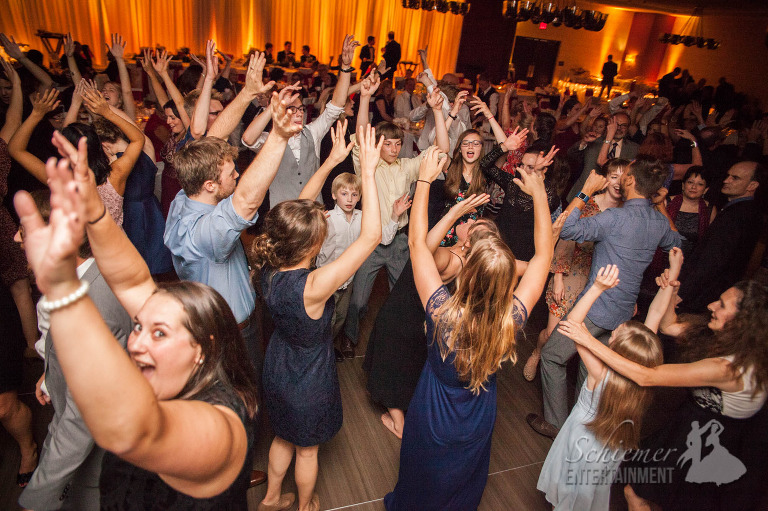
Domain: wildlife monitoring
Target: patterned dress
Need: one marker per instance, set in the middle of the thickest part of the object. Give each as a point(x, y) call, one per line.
point(450, 238)
point(14, 267)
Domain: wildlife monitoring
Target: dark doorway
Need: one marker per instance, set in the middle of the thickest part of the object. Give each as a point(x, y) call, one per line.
point(535, 60)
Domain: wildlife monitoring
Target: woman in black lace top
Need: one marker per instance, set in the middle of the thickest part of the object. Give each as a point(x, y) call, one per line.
point(515, 220)
point(176, 414)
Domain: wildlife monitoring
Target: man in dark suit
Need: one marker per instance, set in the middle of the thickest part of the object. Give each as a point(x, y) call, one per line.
point(392, 55)
point(67, 476)
point(722, 254)
point(609, 72)
point(286, 58)
point(597, 151)
point(368, 55)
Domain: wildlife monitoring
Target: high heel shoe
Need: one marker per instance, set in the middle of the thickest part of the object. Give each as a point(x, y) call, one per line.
point(531, 365)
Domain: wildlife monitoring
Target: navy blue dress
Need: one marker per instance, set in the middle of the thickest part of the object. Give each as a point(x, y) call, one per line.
point(446, 447)
point(143, 221)
point(300, 384)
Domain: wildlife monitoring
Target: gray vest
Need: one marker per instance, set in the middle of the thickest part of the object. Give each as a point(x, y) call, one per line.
point(291, 176)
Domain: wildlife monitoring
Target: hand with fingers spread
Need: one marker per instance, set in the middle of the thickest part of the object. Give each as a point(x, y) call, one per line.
point(340, 149)
point(146, 61)
point(282, 120)
point(10, 72)
point(211, 67)
point(610, 130)
point(400, 206)
point(594, 183)
point(753, 134)
point(543, 161)
point(435, 99)
point(348, 50)
point(199, 62)
point(431, 166)
point(515, 139)
point(532, 184)
point(479, 106)
point(370, 150)
point(471, 203)
point(685, 134)
point(254, 82)
point(458, 102)
point(117, 48)
point(607, 277)
point(160, 64)
point(95, 102)
point(69, 46)
point(83, 175)
point(46, 102)
point(11, 47)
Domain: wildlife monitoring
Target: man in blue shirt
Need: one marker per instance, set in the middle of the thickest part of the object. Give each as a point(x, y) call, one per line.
point(212, 209)
point(627, 237)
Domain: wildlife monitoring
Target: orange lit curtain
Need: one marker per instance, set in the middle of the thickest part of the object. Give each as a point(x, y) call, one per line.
point(237, 25)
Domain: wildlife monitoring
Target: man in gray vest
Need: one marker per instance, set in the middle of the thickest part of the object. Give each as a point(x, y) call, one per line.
point(302, 156)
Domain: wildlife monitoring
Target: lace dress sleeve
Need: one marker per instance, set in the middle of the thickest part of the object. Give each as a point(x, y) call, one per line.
point(438, 298)
point(519, 312)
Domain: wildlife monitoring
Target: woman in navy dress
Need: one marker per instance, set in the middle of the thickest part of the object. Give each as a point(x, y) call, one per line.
point(446, 446)
point(300, 385)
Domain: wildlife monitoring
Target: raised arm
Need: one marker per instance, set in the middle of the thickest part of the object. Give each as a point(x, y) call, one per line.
point(123, 166)
point(12, 50)
point(367, 89)
point(17, 146)
point(435, 101)
point(680, 169)
point(458, 210)
point(227, 120)
point(532, 283)
point(75, 104)
point(161, 66)
point(506, 116)
point(256, 179)
point(664, 296)
point(117, 402)
point(339, 153)
point(453, 113)
point(425, 271)
point(610, 132)
point(481, 108)
point(199, 124)
point(341, 91)
point(13, 114)
point(117, 49)
point(69, 51)
point(324, 281)
point(154, 81)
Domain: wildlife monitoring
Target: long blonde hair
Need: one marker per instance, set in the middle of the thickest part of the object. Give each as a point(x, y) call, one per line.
point(477, 321)
point(623, 403)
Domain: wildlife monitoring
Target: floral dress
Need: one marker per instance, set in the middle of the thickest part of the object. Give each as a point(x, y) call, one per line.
point(450, 238)
point(574, 261)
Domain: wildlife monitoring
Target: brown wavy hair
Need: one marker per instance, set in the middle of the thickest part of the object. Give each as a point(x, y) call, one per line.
point(743, 337)
point(292, 230)
point(214, 328)
point(477, 321)
point(619, 416)
point(454, 171)
point(657, 146)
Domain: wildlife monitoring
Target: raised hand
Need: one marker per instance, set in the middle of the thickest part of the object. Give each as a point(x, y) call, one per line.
point(607, 277)
point(254, 82)
point(675, 260)
point(423, 57)
point(77, 94)
point(340, 149)
point(435, 99)
point(382, 67)
point(117, 48)
point(45, 102)
point(727, 116)
point(545, 160)
point(95, 102)
point(510, 92)
point(348, 50)
point(370, 150)
point(282, 123)
point(11, 47)
point(226, 58)
point(51, 249)
point(160, 64)
point(478, 106)
point(369, 86)
point(83, 175)
point(211, 60)
point(685, 134)
point(10, 72)
point(594, 183)
point(610, 130)
point(576, 331)
point(696, 109)
point(531, 184)
point(659, 196)
point(557, 226)
point(146, 61)
point(431, 165)
point(471, 203)
point(515, 139)
point(401, 205)
point(69, 46)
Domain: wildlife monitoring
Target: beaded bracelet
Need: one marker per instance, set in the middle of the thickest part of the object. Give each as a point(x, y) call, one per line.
point(71, 298)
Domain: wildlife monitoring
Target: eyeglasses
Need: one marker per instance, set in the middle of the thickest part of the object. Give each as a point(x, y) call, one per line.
point(293, 109)
point(624, 125)
point(473, 143)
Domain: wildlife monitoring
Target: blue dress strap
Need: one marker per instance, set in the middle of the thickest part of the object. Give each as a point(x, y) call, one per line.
point(519, 312)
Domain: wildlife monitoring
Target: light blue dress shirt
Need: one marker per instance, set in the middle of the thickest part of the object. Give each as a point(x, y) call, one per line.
point(627, 237)
point(204, 241)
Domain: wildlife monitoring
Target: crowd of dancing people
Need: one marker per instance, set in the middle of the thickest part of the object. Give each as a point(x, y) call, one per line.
point(174, 310)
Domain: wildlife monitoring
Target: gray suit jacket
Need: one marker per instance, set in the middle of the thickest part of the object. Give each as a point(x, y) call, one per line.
point(68, 474)
point(590, 154)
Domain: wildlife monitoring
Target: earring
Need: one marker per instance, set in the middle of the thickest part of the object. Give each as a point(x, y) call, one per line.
point(200, 361)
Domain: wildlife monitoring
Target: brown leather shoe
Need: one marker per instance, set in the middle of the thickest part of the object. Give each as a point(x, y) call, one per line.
point(541, 426)
point(347, 348)
point(257, 478)
point(286, 502)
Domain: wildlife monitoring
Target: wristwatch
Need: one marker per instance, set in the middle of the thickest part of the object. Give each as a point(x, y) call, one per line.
point(694, 144)
point(452, 116)
point(583, 196)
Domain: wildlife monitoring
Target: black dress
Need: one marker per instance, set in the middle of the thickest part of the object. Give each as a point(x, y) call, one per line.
point(515, 220)
point(397, 346)
point(125, 486)
point(301, 387)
